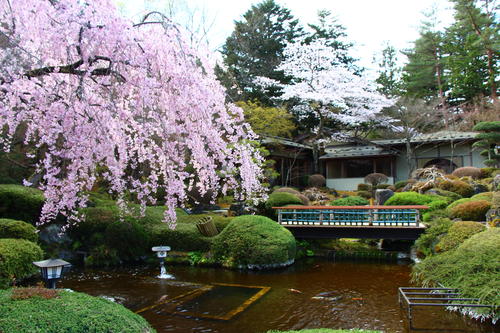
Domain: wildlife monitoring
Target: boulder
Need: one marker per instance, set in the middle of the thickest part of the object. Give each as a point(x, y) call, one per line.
point(382, 195)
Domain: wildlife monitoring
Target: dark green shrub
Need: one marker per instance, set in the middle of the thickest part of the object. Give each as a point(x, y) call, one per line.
point(426, 243)
point(279, 200)
point(457, 186)
point(472, 268)
point(443, 193)
point(400, 184)
point(102, 256)
point(471, 211)
point(16, 257)
point(431, 215)
point(128, 238)
point(17, 229)
point(69, 312)
point(364, 187)
point(365, 194)
point(350, 201)
point(21, 203)
point(254, 241)
point(316, 180)
point(409, 198)
point(457, 234)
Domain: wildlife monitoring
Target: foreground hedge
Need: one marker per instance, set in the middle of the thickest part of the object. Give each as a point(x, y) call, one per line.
point(69, 312)
point(20, 203)
point(473, 268)
point(17, 229)
point(16, 257)
point(254, 241)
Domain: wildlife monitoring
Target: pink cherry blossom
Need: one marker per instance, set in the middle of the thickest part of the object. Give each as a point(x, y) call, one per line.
point(99, 96)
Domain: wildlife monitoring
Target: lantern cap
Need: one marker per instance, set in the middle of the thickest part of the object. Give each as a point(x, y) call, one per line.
point(160, 248)
point(50, 263)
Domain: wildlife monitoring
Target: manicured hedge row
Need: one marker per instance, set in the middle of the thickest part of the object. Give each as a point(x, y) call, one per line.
point(16, 257)
point(20, 203)
point(350, 201)
point(69, 312)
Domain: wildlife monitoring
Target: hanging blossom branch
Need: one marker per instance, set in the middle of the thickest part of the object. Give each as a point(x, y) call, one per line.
point(98, 96)
point(326, 89)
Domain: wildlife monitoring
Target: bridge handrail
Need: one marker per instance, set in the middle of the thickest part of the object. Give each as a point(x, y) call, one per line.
point(353, 207)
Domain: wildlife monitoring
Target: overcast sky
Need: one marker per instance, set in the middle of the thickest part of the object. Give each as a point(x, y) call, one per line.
point(369, 23)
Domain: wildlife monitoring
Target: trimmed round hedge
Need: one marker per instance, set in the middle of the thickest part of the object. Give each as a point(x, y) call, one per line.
point(254, 242)
point(16, 257)
point(280, 199)
point(21, 203)
point(457, 186)
point(350, 201)
point(409, 198)
point(471, 210)
point(69, 312)
point(17, 229)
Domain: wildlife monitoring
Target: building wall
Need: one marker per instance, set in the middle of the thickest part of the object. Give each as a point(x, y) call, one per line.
point(462, 152)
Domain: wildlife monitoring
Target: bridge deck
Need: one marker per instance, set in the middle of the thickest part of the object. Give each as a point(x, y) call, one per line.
point(389, 222)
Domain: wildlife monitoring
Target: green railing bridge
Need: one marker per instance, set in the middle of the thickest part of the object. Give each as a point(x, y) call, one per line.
point(387, 222)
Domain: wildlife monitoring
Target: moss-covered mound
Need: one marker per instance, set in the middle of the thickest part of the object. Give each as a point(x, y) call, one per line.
point(16, 257)
point(457, 186)
point(410, 198)
point(279, 199)
point(471, 210)
point(17, 229)
point(350, 201)
point(20, 203)
point(69, 312)
point(457, 234)
point(473, 268)
point(426, 243)
point(253, 241)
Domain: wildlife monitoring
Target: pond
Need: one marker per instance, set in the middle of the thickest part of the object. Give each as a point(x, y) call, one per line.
point(313, 293)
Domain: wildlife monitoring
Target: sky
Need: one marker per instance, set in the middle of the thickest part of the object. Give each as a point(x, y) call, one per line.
point(369, 23)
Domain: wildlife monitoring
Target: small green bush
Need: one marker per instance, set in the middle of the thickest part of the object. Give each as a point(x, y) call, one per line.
point(426, 243)
point(472, 267)
point(457, 234)
point(471, 211)
point(287, 190)
point(409, 198)
point(17, 229)
point(400, 184)
point(350, 201)
point(460, 187)
point(20, 203)
point(448, 194)
point(279, 200)
point(433, 214)
point(254, 241)
point(16, 257)
point(69, 312)
point(437, 205)
point(365, 194)
point(364, 187)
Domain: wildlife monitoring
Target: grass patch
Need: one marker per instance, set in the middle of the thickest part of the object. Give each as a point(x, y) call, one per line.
point(473, 268)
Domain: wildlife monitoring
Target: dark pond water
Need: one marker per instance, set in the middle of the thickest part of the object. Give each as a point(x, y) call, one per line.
point(310, 294)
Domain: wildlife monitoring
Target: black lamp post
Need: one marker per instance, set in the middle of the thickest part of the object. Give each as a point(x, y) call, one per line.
point(52, 270)
point(161, 253)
